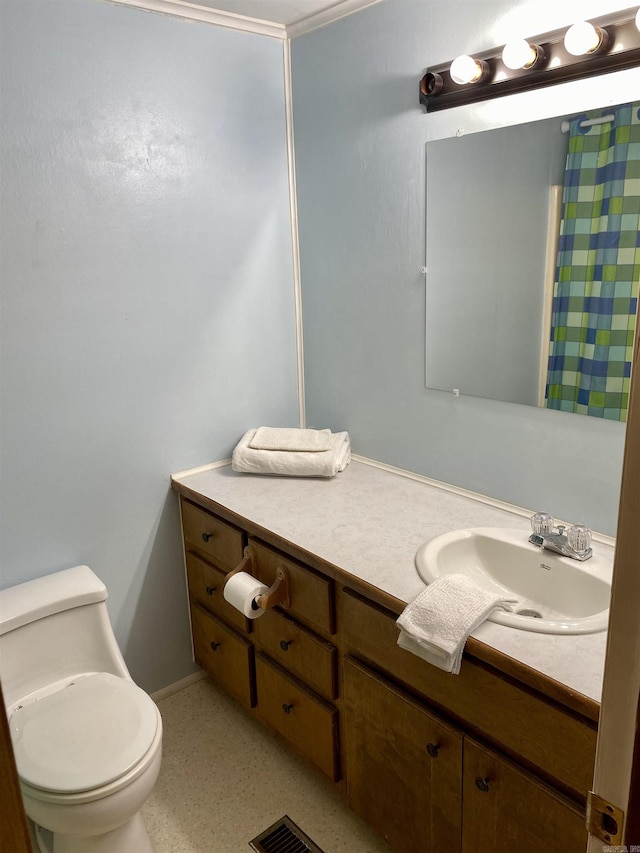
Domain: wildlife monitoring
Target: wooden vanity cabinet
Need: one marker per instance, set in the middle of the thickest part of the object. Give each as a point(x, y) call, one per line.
point(212, 547)
point(505, 806)
point(545, 737)
point(507, 809)
point(296, 663)
point(403, 765)
point(282, 666)
point(472, 763)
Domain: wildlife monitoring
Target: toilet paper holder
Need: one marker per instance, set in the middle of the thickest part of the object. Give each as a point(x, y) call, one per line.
point(279, 591)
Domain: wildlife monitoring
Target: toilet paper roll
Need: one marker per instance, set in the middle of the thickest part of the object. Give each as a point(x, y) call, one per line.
point(241, 591)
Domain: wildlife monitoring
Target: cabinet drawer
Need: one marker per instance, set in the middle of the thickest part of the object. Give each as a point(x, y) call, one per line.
point(221, 542)
point(205, 586)
point(403, 765)
point(307, 722)
point(299, 651)
point(506, 809)
point(224, 654)
point(311, 594)
point(558, 743)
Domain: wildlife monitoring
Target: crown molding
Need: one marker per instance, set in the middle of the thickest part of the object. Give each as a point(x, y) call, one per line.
point(193, 12)
point(206, 15)
point(320, 19)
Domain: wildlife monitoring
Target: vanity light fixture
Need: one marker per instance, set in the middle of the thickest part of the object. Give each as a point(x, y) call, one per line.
point(610, 43)
point(583, 38)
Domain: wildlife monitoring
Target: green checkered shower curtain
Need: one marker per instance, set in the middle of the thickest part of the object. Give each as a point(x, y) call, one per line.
point(598, 267)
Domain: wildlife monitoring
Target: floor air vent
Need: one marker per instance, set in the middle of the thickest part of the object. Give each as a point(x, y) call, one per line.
point(284, 837)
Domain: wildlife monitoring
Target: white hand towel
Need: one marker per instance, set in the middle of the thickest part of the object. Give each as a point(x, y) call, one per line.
point(324, 463)
point(435, 626)
point(300, 440)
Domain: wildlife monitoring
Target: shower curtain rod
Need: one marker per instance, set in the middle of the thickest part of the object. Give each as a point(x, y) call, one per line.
point(588, 122)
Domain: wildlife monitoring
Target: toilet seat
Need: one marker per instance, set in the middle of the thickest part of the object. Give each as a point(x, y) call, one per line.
point(88, 735)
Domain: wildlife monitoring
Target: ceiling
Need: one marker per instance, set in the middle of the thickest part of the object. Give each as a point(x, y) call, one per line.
point(285, 12)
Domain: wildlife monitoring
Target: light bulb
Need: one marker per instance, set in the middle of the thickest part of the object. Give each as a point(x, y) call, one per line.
point(519, 54)
point(638, 19)
point(465, 69)
point(583, 38)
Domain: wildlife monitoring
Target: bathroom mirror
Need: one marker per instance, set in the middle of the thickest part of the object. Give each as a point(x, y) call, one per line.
point(492, 240)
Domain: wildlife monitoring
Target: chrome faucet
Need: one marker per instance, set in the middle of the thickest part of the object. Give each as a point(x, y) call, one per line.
point(574, 544)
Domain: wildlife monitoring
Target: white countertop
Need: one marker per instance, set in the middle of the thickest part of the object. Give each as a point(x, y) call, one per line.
point(369, 523)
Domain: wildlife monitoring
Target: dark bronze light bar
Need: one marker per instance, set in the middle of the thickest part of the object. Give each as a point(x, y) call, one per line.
point(616, 46)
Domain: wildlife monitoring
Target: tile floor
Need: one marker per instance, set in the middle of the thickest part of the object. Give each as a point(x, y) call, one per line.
point(224, 779)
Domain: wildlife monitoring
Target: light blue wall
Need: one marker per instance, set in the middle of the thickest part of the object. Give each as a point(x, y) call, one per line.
point(360, 138)
point(147, 314)
point(147, 295)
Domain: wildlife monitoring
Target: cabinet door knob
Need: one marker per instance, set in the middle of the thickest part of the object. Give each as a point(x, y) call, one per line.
point(206, 536)
point(210, 590)
point(215, 646)
point(482, 784)
point(287, 708)
point(284, 644)
point(433, 749)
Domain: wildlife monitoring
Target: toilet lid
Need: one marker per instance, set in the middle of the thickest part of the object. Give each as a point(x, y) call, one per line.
point(84, 736)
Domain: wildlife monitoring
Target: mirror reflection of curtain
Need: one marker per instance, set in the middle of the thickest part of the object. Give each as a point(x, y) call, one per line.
point(596, 288)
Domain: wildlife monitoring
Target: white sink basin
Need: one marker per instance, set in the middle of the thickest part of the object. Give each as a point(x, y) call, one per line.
point(562, 596)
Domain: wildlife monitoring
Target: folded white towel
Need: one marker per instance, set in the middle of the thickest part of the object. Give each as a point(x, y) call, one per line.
point(436, 624)
point(283, 438)
point(324, 463)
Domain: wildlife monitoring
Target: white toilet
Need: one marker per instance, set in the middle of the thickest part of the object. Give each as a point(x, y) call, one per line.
point(87, 740)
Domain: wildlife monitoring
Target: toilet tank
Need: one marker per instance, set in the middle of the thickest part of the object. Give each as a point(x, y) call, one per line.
point(53, 628)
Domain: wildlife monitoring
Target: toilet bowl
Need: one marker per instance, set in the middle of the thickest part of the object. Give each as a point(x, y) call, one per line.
point(87, 740)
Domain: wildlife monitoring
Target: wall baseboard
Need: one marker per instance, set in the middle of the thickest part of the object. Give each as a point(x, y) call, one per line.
point(177, 686)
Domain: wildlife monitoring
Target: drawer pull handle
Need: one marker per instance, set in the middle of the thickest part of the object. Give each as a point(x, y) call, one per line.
point(287, 708)
point(433, 749)
point(210, 590)
point(215, 646)
point(482, 784)
point(206, 536)
point(284, 644)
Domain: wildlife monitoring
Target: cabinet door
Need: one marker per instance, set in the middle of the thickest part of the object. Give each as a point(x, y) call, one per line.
point(403, 765)
point(507, 809)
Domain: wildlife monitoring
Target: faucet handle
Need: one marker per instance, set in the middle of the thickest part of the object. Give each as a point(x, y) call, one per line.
point(579, 538)
point(542, 522)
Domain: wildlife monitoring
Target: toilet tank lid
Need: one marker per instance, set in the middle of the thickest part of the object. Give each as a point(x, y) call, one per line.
point(50, 594)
